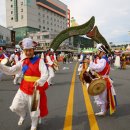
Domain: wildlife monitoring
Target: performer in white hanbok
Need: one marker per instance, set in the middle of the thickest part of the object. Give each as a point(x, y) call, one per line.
point(117, 62)
point(81, 60)
point(107, 99)
point(18, 76)
point(2, 56)
point(11, 59)
point(35, 75)
point(50, 64)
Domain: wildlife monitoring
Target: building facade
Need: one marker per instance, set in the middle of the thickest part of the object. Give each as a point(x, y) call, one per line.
point(43, 39)
point(26, 16)
point(7, 37)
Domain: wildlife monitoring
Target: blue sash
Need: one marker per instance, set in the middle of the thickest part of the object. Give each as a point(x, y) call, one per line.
point(26, 67)
point(84, 56)
point(106, 58)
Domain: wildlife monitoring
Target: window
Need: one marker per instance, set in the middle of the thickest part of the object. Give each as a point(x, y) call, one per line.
point(43, 27)
point(11, 6)
point(46, 36)
point(39, 26)
point(21, 10)
point(12, 18)
point(38, 37)
point(11, 12)
point(7, 38)
point(1, 37)
point(47, 28)
point(21, 16)
point(21, 3)
point(15, 10)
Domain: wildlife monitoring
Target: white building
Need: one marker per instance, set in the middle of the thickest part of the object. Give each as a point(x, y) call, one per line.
point(44, 39)
point(27, 16)
point(5, 36)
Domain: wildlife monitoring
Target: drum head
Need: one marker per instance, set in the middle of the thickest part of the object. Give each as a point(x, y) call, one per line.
point(4, 61)
point(96, 87)
point(56, 68)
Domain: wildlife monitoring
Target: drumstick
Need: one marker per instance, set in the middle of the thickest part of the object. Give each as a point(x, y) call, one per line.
point(34, 100)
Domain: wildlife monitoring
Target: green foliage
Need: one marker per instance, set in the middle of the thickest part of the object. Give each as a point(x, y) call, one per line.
point(72, 31)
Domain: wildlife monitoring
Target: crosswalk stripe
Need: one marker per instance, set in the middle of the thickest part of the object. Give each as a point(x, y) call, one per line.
point(69, 110)
point(92, 119)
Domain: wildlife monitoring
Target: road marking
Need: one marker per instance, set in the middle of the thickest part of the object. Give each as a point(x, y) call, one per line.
point(69, 110)
point(92, 119)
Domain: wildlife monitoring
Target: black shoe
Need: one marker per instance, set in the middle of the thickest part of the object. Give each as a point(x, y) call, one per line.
point(50, 84)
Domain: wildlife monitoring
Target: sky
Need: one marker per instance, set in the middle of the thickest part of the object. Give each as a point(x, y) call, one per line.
point(111, 16)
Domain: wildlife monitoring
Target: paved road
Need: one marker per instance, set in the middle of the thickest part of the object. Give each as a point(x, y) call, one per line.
point(70, 107)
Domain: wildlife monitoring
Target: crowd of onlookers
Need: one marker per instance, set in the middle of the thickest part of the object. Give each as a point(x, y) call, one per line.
point(118, 61)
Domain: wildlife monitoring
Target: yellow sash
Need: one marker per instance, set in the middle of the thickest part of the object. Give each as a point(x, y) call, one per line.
point(30, 78)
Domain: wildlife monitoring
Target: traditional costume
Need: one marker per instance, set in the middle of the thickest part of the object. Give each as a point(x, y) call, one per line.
point(107, 99)
point(34, 71)
point(123, 61)
point(117, 62)
point(17, 58)
point(81, 60)
point(11, 59)
point(55, 62)
point(50, 63)
point(2, 56)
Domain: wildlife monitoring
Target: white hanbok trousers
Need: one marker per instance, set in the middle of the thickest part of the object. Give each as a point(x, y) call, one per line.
point(20, 105)
point(51, 74)
point(80, 68)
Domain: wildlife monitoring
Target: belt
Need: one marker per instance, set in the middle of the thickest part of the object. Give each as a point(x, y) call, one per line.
point(30, 78)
